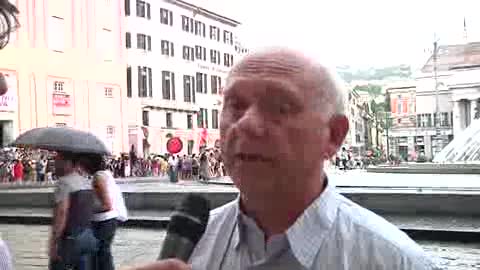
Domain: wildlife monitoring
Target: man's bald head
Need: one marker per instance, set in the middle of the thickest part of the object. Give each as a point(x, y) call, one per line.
point(304, 71)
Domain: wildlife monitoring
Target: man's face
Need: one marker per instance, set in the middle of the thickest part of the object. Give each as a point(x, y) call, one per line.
point(271, 137)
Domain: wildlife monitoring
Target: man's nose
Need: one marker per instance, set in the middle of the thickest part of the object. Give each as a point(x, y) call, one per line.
point(252, 123)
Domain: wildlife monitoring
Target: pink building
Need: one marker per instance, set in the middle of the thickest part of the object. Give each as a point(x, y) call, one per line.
point(66, 66)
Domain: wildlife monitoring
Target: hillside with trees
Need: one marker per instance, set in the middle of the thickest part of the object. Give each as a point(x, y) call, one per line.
point(350, 74)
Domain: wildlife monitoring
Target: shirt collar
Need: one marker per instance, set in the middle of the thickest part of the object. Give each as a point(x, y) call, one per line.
point(311, 227)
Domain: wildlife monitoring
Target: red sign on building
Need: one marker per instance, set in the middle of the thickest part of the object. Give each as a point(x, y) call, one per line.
point(61, 104)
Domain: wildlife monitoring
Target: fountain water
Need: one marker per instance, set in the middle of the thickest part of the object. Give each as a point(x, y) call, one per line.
point(465, 147)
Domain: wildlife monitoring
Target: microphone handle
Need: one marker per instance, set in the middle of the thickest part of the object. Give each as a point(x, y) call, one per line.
point(176, 246)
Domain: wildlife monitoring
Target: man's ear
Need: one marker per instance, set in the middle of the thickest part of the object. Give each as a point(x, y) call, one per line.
point(338, 126)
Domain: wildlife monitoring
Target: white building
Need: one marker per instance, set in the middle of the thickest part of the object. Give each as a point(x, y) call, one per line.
point(178, 57)
point(458, 95)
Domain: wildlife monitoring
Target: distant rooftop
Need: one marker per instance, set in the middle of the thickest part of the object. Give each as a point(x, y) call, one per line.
point(205, 12)
point(451, 57)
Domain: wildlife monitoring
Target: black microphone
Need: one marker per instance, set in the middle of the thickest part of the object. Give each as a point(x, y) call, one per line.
point(186, 227)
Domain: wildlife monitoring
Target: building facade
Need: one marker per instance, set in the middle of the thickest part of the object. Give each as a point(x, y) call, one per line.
point(414, 129)
point(359, 134)
point(65, 66)
point(178, 57)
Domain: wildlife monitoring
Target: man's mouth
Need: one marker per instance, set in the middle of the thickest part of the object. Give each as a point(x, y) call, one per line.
point(252, 157)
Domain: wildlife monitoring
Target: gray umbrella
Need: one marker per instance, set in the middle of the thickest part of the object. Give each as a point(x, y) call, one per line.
point(62, 139)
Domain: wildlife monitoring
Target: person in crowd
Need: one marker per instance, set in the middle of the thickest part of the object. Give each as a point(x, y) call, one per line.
point(163, 167)
point(18, 171)
point(41, 168)
point(204, 167)
point(187, 167)
point(172, 168)
point(109, 210)
point(72, 243)
point(155, 167)
point(278, 103)
point(195, 167)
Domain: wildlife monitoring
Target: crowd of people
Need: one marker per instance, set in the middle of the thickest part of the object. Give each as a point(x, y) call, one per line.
point(23, 165)
point(202, 166)
point(19, 166)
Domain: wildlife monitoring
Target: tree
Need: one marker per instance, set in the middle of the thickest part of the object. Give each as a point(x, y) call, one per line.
point(372, 89)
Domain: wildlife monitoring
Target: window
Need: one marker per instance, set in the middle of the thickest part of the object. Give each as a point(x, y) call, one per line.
point(110, 131)
point(168, 119)
point(188, 88)
point(215, 56)
point(187, 24)
point(227, 37)
point(167, 48)
point(424, 120)
point(127, 7)
point(150, 83)
point(202, 118)
point(190, 144)
point(129, 81)
point(58, 86)
point(188, 53)
point(189, 121)
point(199, 28)
point(216, 83)
point(166, 17)
point(445, 119)
point(144, 42)
point(56, 34)
point(105, 44)
point(143, 9)
point(145, 83)
point(201, 82)
point(227, 59)
point(145, 118)
point(168, 85)
point(214, 33)
point(108, 92)
point(141, 41)
point(201, 53)
point(399, 104)
point(128, 40)
point(215, 119)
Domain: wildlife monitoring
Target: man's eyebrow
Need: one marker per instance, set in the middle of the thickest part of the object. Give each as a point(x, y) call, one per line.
point(285, 91)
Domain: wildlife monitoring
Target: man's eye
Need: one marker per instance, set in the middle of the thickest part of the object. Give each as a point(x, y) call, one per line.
point(235, 104)
point(285, 108)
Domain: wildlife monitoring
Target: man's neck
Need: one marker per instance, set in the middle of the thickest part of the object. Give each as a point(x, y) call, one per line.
point(275, 214)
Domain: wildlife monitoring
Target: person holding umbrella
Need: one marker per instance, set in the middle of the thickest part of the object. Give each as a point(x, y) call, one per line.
point(72, 242)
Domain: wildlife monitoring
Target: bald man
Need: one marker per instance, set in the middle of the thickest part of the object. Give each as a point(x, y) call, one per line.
point(283, 116)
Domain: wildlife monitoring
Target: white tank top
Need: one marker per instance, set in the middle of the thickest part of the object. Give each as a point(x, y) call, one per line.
point(119, 210)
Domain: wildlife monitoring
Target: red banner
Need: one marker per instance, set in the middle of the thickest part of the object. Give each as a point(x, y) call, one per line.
point(61, 104)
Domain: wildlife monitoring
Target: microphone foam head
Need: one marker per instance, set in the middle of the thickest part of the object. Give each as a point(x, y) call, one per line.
point(190, 218)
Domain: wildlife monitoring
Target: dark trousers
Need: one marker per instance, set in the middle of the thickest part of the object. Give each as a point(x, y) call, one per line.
point(104, 231)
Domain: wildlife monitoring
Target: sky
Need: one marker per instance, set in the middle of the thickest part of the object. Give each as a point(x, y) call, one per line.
point(359, 33)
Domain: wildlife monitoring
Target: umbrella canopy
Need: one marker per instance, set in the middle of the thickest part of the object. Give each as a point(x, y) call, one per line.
point(62, 139)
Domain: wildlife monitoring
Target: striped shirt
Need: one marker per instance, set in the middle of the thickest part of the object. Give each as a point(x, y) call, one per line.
point(5, 257)
point(332, 233)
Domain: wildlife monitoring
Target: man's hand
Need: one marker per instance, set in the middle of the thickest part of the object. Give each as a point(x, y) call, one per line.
point(170, 264)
